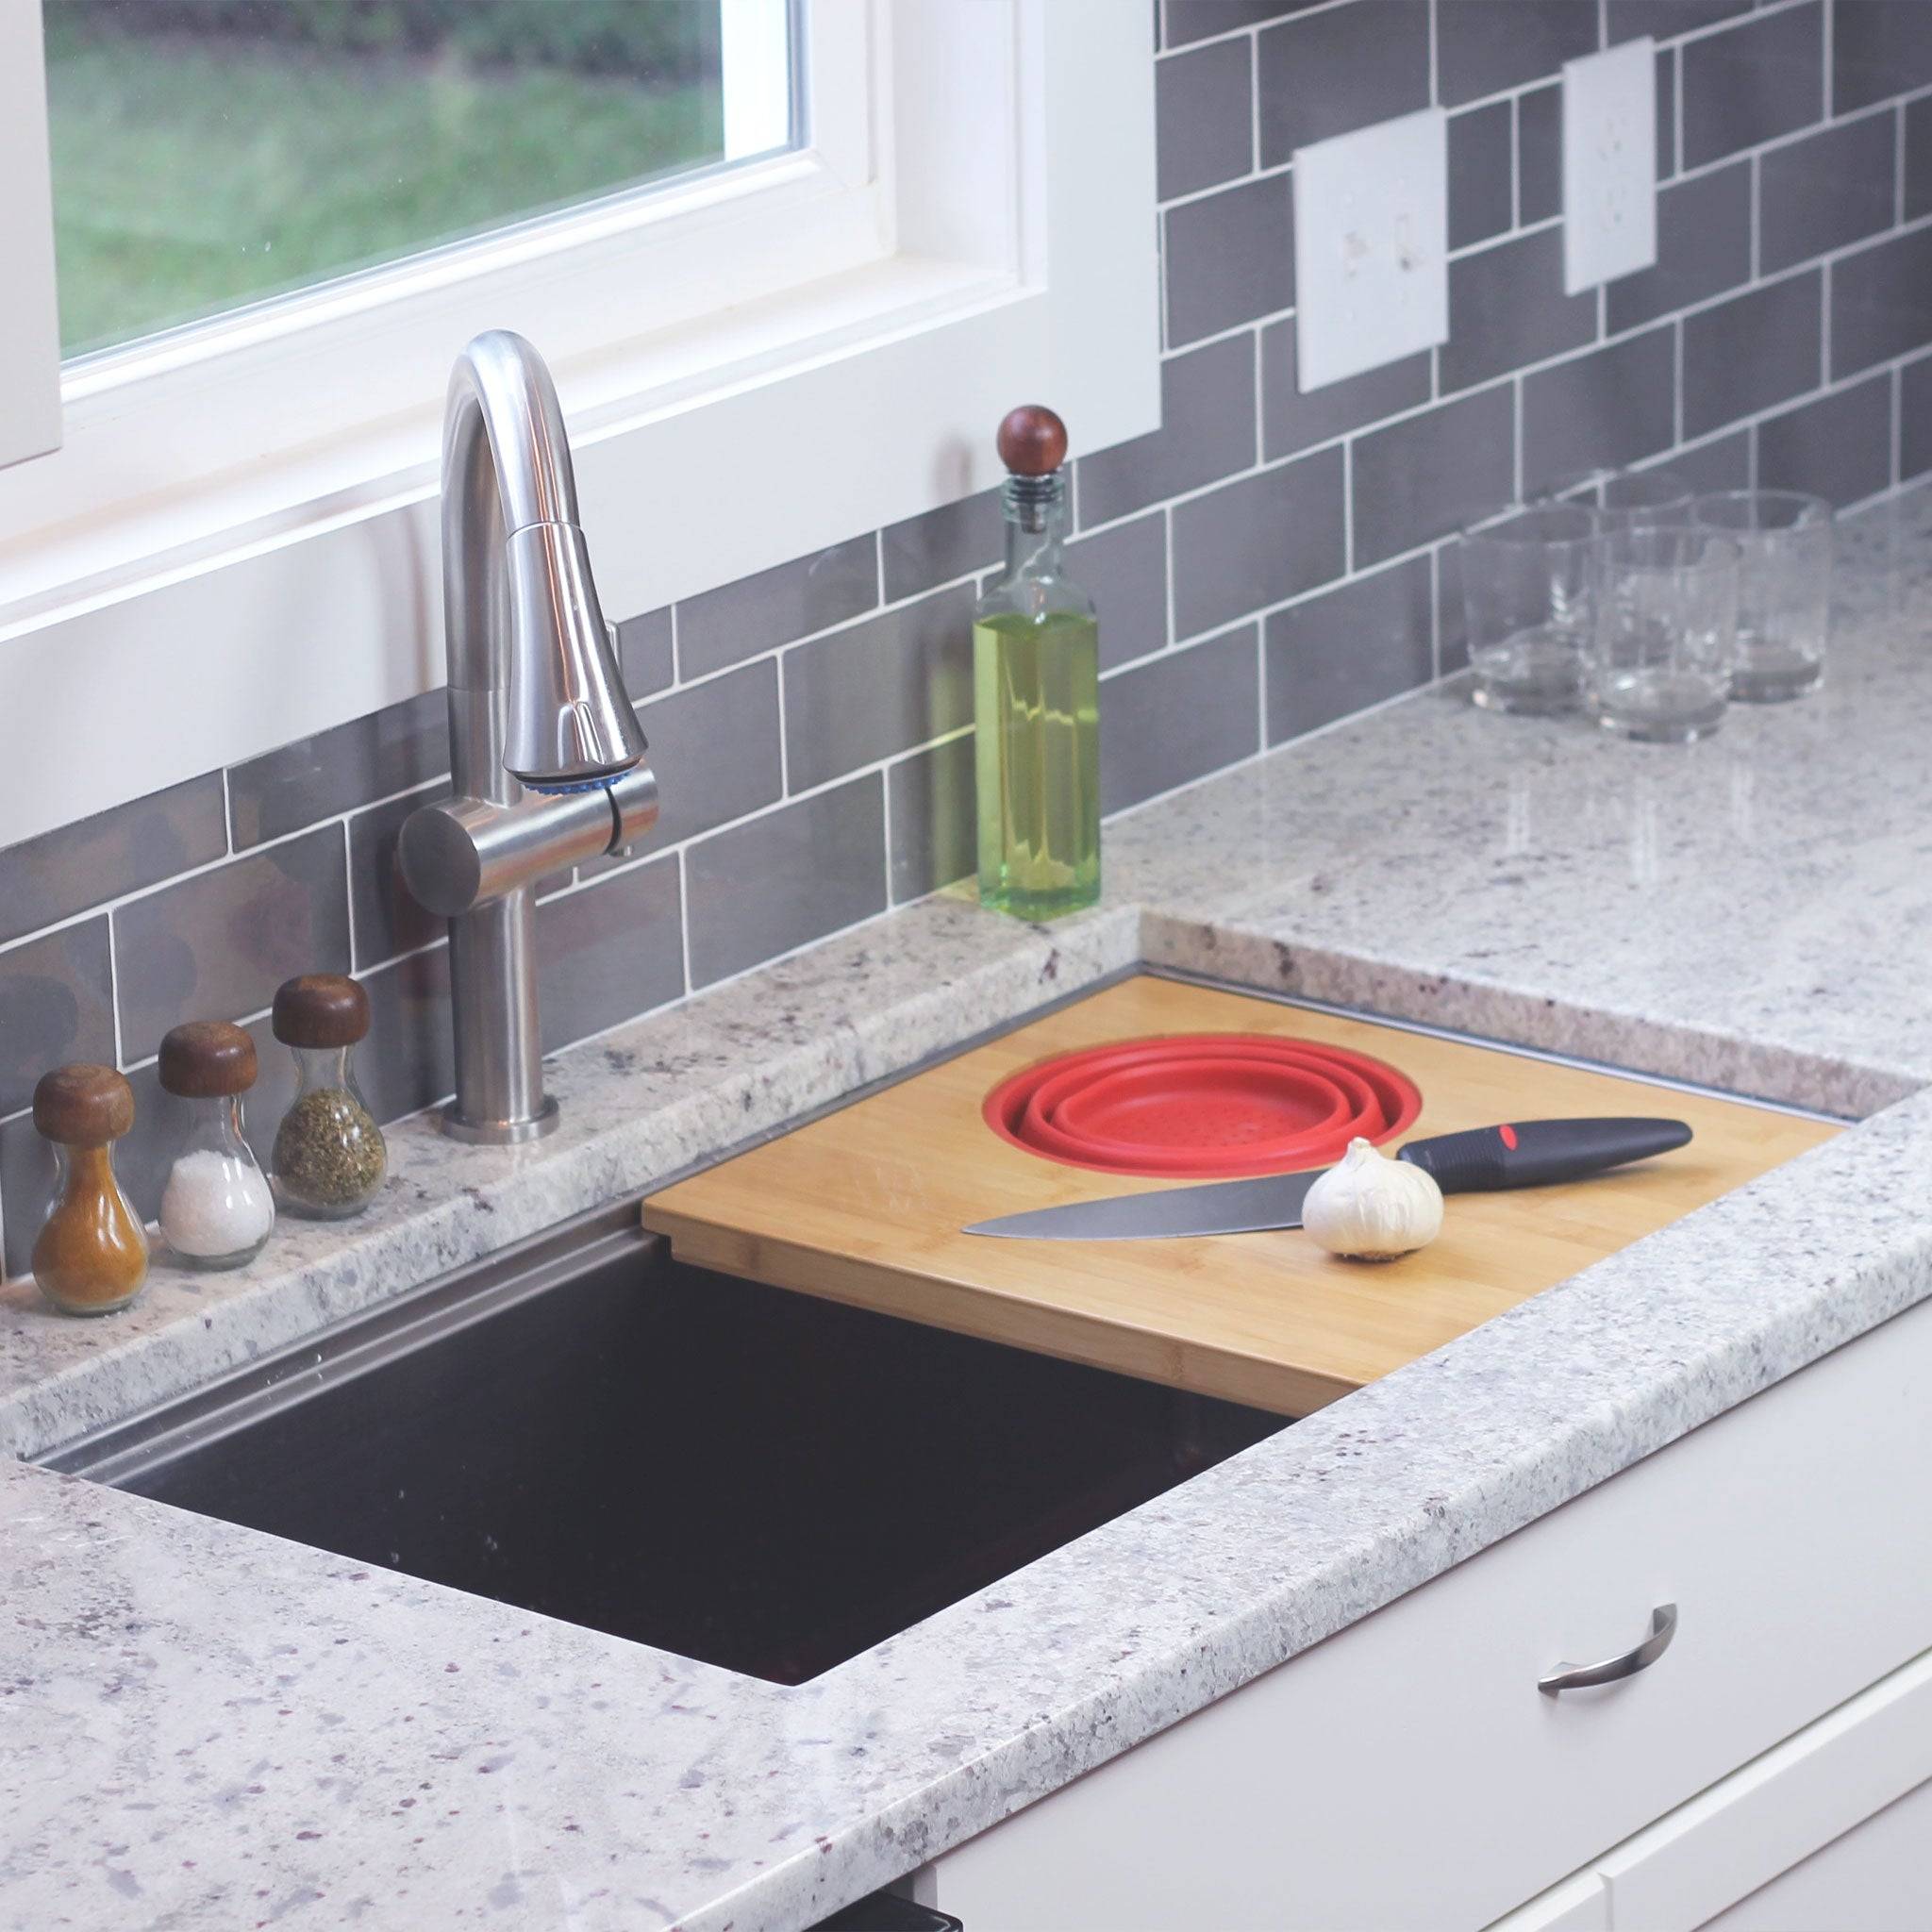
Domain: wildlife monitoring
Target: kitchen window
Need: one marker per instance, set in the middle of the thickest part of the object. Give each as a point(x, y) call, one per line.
point(860, 232)
point(211, 154)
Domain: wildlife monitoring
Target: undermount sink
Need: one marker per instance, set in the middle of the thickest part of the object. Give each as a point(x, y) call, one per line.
point(587, 1428)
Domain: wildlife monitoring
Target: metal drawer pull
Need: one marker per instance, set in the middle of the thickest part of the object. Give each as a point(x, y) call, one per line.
point(1663, 1627)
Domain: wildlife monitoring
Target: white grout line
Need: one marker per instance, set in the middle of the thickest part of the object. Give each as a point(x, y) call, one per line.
point(1827, 24)
point(114, 986)
point(677, 649)
point(227, 813)
point(1435, 61)
point(1898, 426)
point(1757, 212)
point(349, 893)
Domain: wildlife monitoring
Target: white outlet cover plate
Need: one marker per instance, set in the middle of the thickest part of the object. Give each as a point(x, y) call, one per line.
point(1370, 247)
point(1609, 164)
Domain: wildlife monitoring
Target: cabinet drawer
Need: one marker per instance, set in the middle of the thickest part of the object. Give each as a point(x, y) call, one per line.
point(1408, 1772)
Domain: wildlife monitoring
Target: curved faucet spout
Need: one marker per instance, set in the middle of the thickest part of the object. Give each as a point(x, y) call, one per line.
point(522, 619)
point(536, 700)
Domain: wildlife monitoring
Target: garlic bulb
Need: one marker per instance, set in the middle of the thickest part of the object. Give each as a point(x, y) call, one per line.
point(1371, 1208)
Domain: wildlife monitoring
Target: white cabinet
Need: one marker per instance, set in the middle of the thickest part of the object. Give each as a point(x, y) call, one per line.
point(1877, 1878)
point(1408, 1773)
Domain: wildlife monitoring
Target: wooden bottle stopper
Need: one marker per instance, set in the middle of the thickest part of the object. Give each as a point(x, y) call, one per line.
point(320, 1010)
point(83, 1104)
point(1032, 441)
point(207, 1060)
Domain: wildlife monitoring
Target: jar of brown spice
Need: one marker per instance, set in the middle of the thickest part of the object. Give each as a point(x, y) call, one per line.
point(91, 1254)
point(329, 1155)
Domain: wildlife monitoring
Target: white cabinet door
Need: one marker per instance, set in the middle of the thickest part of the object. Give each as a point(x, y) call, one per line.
point(1877, 1878)
point(1408, 1774)
point(30, 318)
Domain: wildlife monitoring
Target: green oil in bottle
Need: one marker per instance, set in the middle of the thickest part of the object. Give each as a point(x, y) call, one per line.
point(1036, 687)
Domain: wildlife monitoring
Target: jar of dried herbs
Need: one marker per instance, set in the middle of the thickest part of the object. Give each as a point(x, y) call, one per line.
point(329, 1158)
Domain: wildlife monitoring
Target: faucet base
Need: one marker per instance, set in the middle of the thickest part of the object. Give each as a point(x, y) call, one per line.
point(499, 1133)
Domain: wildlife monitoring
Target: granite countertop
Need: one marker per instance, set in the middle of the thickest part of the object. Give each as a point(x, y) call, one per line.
point(205, 1726)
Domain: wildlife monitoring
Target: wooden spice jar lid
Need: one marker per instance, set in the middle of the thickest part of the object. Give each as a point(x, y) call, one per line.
point(1032, 441)
point(320, 1010)
point(83, 1104)
point(206, 1058)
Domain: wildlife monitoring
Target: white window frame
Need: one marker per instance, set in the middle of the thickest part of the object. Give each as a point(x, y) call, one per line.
point(755, 364)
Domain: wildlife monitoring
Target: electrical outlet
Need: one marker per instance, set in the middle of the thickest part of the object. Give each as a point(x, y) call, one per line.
point(1609, 164)
point(1370, 247)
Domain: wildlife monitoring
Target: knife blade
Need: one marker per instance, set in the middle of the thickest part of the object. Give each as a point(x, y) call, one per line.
point(1523, 1153)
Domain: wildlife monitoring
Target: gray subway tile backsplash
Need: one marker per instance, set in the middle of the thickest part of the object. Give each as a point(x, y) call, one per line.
point(217, 946)
point(1185, 20)
point(714, 748)
point(1703, 248)
point(57, 1003)
point(1757, 349)
point(1826, 190)
point(1630, 20)
point(1915, 418)
point(1206, 431)
point(773, 883)
point(930, 802)
point(1258, 540)
point(1292, 420)
point(1881, 301)
point(1430, 475)
point(1837, 446)
point(607, 954)
point(73, 867)
point(1604, 410)
point(1511, 308)
point(1179, 717)
point(1367, 641)
point(1752, 82)
point(1880, 48)
point(1539, 155)
point(1340, 69)
point(1482, 173)
point(878, 686)
point(1483, 47)
point(644, 653)
point(1203, 121)
point(1721, 462)
point(944, 543)
point(1918, 158)
point(1124, 570)
point(1230, 258)
point(776, 607)
point(858, 655)
point(390, 750)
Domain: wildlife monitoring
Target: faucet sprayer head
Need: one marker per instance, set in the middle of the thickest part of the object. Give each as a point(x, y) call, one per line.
point(569, 722)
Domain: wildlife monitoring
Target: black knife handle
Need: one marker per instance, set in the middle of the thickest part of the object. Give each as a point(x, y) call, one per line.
point(1534, 1154)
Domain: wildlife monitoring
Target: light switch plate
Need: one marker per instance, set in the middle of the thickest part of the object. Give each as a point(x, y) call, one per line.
point(1370, 247)
point(1609, 164)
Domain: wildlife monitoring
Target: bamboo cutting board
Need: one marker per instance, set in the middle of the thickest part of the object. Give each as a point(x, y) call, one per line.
point(866, 1207)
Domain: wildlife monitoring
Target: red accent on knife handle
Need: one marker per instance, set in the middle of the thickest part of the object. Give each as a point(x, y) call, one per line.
point(1534, 1153)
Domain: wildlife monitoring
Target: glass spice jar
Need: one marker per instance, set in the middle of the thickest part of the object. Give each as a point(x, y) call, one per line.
point(329, 1157)
point(91, 1254)
point(216, 1208)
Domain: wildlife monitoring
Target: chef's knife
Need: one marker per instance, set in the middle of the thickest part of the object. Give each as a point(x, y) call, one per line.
point(1528, 1154)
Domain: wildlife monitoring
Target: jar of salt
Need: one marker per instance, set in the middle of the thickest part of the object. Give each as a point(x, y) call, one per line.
point(216, 1207)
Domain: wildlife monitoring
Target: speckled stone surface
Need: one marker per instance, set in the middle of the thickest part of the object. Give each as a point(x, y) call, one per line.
point(202, 1727)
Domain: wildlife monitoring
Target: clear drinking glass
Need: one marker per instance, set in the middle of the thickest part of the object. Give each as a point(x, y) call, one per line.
point(1526, 594)
point(1783, 587)
point(1665, 635)
point(1633, 498)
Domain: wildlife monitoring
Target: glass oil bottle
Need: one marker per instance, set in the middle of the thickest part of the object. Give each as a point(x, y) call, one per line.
point(1035, 688)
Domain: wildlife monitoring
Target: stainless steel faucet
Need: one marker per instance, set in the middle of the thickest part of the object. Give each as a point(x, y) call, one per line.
point(546, 758)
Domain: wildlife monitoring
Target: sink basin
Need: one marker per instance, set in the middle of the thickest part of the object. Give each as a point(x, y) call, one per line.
point(587, 1428)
